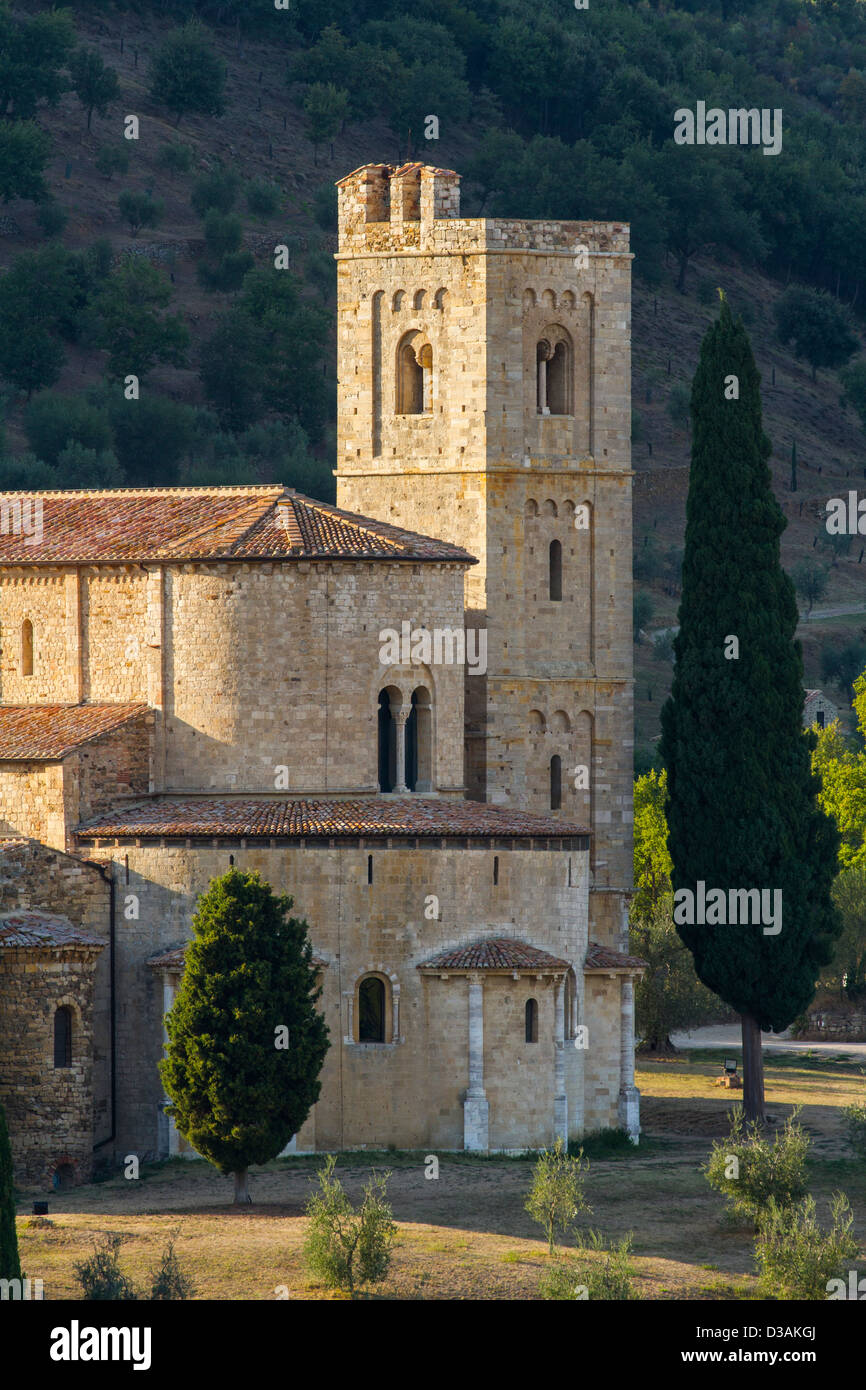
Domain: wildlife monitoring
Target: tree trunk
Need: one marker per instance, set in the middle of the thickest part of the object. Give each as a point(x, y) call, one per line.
point(242, 1191)
point(753, 1070)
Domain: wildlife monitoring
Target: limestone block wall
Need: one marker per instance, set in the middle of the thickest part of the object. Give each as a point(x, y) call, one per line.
point(33, 876)
point(113, 633)
point(271, 666)
point(32, 802)
point(602, 1018)
point(48, 599)
point(503, 479)
point(46, 800)
point(409, 1091)
point(50, 1111)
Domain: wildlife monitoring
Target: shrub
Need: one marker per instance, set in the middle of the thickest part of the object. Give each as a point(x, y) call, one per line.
point(795, 1258)
point(344, 1247)
point(222, 232)
point(51, 218)
point(226, 275)
point(663, 646)
point(556, 1195)
point(679, 404)
point(604, 1143)
point(168, 1280)
point(175, 157)
point(217, 189)
point(762, 1171)
point(578, 1279)
point(112, 159)
point(325, 207)
point(100, 1276)
point(52, 421)
point(263, 198)
point(139, 210)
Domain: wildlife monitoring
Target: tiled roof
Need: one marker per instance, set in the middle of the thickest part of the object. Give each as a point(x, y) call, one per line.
point(175, 960)
point(496, 953)
point(48, 732)
point(220, 523)
point(369, 816)
point(603, 958)
point(43, 931)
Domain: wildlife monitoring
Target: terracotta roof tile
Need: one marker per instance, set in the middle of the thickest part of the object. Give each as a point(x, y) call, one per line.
point(127, 525)
point(43, 931)
point(604, 958)
point(496, 953)
point(367, 816)
point(49, 732)
point(175, 960)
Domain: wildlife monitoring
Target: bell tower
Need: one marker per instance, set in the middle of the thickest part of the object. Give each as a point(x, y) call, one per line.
point(485, 399)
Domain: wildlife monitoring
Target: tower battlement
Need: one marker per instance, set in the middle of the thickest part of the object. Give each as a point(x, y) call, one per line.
point(384, 208)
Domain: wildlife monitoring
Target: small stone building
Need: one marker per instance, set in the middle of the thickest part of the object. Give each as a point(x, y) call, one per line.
point(47, 969)
point(817, 709)
point(413, 712)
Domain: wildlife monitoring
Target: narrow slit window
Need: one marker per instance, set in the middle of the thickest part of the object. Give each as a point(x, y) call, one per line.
point(63, 1037)
point(530, 1015)
point(27, 648)
point(555, 782)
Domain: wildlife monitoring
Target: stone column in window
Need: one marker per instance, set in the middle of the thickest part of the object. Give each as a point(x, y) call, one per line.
point(400, 716)
point(169, 989)
point(629, 1095)
point(560, 1099)
point(425, 358)
point(476, 1109)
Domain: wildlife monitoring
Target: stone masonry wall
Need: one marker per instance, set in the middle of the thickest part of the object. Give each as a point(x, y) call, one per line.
point(33, 876)
point(408, 1093)
point(49, 1110)
point(504, 480)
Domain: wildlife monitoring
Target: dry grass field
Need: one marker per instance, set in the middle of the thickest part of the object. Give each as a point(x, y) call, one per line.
point(465, 1235)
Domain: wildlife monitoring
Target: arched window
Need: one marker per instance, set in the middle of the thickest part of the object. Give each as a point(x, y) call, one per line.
point(530, 1015)
point(554, 363)
point(557, 381)
point(371, 1010)
point(555, 571)
point(419, 742)
point(555, 782)
point(27, 648)
point(414, 375)
point(387, 744)
point(63, 1037)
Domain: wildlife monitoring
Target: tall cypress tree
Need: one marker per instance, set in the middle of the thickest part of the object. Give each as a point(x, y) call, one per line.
point(742, 808)
point(246, 1041)
point(10, 1267)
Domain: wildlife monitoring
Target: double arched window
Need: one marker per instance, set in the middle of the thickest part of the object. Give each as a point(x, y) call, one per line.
point(405, 741)
point(555, 370)
point(414, 375)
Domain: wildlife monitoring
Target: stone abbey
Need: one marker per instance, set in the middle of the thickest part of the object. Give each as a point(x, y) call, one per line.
point(191, 678)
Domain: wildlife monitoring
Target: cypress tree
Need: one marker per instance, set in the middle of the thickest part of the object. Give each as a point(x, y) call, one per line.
point(10, 1267)
point(246, 1042)
point(742, 809)
point(794, 466)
